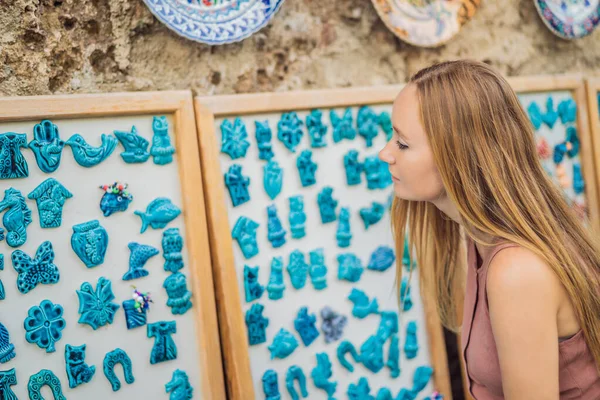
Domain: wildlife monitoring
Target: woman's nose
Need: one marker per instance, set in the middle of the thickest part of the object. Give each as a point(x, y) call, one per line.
point(386, 156)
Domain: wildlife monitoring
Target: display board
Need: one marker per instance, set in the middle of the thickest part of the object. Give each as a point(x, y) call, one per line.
point(593, 107)
point(106, 250)
point(298, 210)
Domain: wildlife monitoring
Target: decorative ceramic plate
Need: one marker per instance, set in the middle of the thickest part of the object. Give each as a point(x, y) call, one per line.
point(214, 21)
point(569, 19)
point(425, 23)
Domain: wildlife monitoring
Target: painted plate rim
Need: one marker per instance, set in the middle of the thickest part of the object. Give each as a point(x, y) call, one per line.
point(555, 31)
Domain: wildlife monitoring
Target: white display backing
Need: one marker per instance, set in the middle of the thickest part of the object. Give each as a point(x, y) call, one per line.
point(146, 181)
point(281, 313)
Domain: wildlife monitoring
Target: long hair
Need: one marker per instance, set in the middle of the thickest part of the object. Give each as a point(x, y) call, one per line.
point(484, 148)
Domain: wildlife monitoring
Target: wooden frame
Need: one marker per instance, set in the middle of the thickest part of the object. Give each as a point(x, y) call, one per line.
point(178, 103)
point(231, 318)
point(593, 88)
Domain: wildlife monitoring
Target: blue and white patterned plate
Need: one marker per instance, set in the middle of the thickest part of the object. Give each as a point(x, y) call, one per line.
point(569, 19)
point(214, 21)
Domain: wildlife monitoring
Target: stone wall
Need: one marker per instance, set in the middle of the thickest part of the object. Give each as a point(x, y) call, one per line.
point(66, 46)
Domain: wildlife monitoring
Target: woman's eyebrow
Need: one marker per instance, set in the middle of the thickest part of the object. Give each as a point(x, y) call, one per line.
point(398, 131)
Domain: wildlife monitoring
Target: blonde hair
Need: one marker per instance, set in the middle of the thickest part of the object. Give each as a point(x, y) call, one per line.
point(484, 148)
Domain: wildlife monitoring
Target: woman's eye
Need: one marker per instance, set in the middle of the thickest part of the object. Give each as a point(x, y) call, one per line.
point(401, 146)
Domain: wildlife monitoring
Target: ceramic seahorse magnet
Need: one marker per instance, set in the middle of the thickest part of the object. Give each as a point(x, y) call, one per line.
point(17, 218)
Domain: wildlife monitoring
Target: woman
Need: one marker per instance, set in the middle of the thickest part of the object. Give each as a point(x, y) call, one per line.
point(463, 160)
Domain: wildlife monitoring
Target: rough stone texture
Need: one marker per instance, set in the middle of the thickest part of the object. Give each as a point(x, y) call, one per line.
point(66, 46)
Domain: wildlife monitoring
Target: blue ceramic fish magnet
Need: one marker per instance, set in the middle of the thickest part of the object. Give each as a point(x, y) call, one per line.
point(47, 146)
point(78, 371)
point(115, 198)
point(17, 218)
point(45, 378)
point(89, 156)
point(179, 386)
point(12, 163)
point(7, 349)
point(138, 256)
point(50, 197)
point(89, 241)
point(158, 214)
point(33, 271)
point(162, 150)
point(96, 306)
point(112, 358)
point(136, 147)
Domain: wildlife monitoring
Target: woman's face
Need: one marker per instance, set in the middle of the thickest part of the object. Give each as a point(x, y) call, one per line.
point(408, 154)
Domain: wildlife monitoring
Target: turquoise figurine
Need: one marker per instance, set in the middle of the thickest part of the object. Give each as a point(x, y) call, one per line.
point(360, 391)
point(275, 232)
point(44, 325)
point(237, 185)
point(136, 308)
point(307, 168)
point(136, 146)
point(180, 298)
point(297, 217)
point(12, 163)
point(385, 122)
point(272, 179)
point(342, 126)
point(116, 198)
point(421, 378)
point(89, 156)
point(344, 234)
point(294, 373)
point(372, 215)
point(17, 218)
point(2, 292)
point(284, 344)
point(384, 394)
point(578, 182)
point(377, 173)
point(362, 305)
point(411, 346)
point(112, 358)
point(38, 270)
point(405, 297)
point(298, 269)
point(381, 259)
point(139, 254)
point(276, 286)
point(327, 205)
point(344, 348)
point(78, 372)
point(45, 378)
point(371, 354)
point(333, 324)
point(172, 245)
point(321, 375)
point(318, 270)
point(244, 231)
point(47, 146)
point(158, 214)
point(367, 122)
point(234, 138)
point(393, 361)
point(263, 140)
point(179, 387)
point(316, 129)
point(162, 150)
point(567, 111)
point(7, 349)
point(353, 168)
point(305, 325)
point(50, 197)
point(388, 325)
point(256, 324)
point(164, 348)
point(96, 307)
point(550, 117)
point(252, 287)
point(349, 267)
point(89, 241)
point(270, 385)
point(535, 115)
point(8, 379)
point(289, 130)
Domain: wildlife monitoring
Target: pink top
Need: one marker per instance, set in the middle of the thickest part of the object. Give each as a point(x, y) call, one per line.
point(578, 377)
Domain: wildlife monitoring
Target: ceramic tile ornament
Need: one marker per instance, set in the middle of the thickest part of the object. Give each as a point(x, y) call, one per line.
point(297, 217)
point(318, 270)
point(425, 23)
point(321, 375)
point(360, 391)
point(264, 136)
point(1, 234)
point(344, 348)
point(327, 205)
point(371, 354)
point(12, 163)
point(179, 387)
point(47, 146)
point(298, 269)
point(405, 297)
point(295, 373)
point(385, 122)
point(237, 185)
point(381, 259)
point(284, 344)
point(116, 198)
point(421, 378)
point(275, 232)
point(289, 130)
point(307, 168)
point(393, 361)
point(8, 379)
point(16, 218)
point(7, 349)
point(158, 214)
point(550, 116)
point(349, 267)
point(270, 385)
point(78, 372)
point(161, 150)
point(362, 305)
point(2, 292)
point(367, 122)
point(139, 254)
point(214, 22)
point(45, 378)
point(180, 298)
point(569, 19)
point(411, 346)
point(388, 325)
point(316, 129)
point(172, 245)
point(578, 183)
point(112, 358)
point(372, 215)
point(252, 287)
point(256, 324)
point(136, 309)
point(377, 173)
point(272, 179)
point(407, 262)
point(344, 234)
point(50, 197)
point(89, 156)
point(305, 325)
point(234, 138)
point(90, 241)
point(384, 394)
point(244, 231)
point(343, 127)
point(567, 111)
point(535, 115)
point(38, 270)
point(353, 167)
point(44, 325)
point(96, 306)
point(333, 324)
point(276, 286)
point(136, 146)
point(164, 348)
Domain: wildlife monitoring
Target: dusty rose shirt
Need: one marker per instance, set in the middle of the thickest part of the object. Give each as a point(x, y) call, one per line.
point(578, 377)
